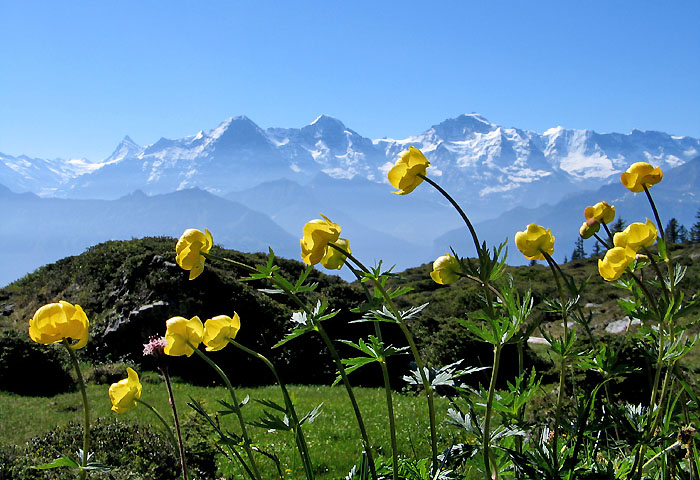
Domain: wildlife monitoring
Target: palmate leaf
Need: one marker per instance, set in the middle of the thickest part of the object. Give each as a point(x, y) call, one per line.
point(72, 462)
point(273, 405)
point(271, 421)
point(312, 415)
point(66, 461)
point(297, 332)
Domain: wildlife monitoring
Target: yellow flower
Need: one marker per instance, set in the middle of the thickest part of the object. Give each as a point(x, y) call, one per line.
point(56, 321)
point(219, 329)
point(124, 393)
point(615, 262)
point(404, 174)
point(179, 331)
point(589, 228)
point(637, 235)
point(641, 174)
point(317, 235)
point(601, 211)
point(189, 248)
point(446, 270)
point(333, 259)
point(535, 241)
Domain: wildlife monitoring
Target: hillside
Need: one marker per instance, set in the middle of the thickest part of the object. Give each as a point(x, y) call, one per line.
point(130, 288)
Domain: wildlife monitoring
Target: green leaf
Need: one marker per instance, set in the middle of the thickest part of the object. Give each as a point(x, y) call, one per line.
point(58, 463)
point(312, 415)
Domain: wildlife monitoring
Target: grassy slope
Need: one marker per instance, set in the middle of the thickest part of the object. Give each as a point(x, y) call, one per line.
point(115, 278)
point(333, 438)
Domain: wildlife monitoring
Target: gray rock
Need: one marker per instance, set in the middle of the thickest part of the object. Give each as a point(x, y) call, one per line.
point(620, 326)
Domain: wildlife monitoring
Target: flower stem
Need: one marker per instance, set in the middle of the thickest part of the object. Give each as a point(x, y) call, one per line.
point(459, 210)
point(491, 471)
point(237, 408)
point(421, 370)
point(656, 213)
point(298, 434)
point(168, 428)
point(180, 444)
point(86, 408)
point(385, 376)
point(351, 395)
point(414, 350)
point(562, 373)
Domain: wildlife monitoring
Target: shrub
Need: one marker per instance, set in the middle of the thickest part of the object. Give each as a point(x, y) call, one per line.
point(134, 452)
point(19, 355)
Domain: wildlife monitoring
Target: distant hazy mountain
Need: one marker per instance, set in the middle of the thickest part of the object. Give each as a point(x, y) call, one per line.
point(37, 231)
point(675, 197)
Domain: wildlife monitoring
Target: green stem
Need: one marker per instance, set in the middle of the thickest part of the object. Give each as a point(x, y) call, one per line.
point(392, 421)
point(662, 452)
point(229, 261)
point(86, 408)
point(341, 369)
point(459, 210)
point(236, 406)
point(414, 350)
point(385, 372)
point(491, 470)
point(656, 213)
point(298, 433)
point(168, 428)
point(180, 443)
point(562, 373)
point(421, 370)
point(610, 234)
point(600, 240)
point(351, 396)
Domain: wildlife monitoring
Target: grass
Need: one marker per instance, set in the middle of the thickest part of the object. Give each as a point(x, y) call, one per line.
point(333, 438)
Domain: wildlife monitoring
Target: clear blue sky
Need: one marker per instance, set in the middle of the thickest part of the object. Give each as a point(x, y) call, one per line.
point(75, 77)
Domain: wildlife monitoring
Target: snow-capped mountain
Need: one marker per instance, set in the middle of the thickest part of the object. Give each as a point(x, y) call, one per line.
point(476, 160)
point(290, 175)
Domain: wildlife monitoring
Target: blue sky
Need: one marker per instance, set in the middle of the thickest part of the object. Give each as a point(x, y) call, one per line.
point(75, 77)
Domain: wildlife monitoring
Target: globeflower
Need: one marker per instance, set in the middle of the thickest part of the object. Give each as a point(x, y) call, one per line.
point(317, 235)
point(179, 332)
point(189, 250)
point(218, 330)
point(615, 262)
point(404, 174)
point(636, 236)
point(56, 321)
point(601, 211)
point(589, 228)
point(333, 259)
point(124, 393)
point(446, 270)
point(639, 175)
point(535, 242)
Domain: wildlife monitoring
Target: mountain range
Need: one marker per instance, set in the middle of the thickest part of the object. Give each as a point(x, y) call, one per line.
point(255, 187)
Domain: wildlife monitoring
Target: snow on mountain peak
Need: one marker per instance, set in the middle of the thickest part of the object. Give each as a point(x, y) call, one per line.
point(326, 122)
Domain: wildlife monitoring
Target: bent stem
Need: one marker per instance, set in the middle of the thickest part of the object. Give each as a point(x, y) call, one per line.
point(86, 409)
point(168, 428)
point(656, 213)
point(459, 210)
point(237, 408)
point(180, 443)
point(298, 434)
